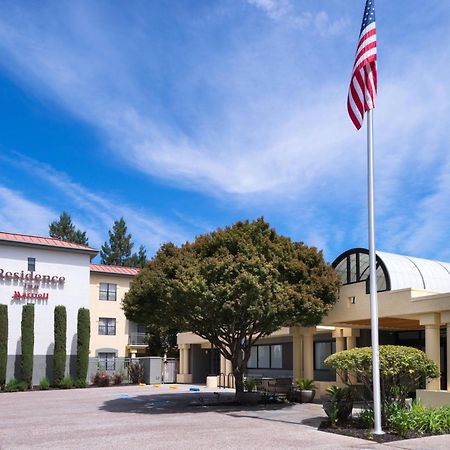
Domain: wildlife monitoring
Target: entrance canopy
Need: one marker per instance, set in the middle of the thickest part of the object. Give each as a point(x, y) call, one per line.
point(393, 271)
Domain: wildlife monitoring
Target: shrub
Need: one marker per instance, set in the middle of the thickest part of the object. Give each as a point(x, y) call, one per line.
point(83, 337)
point(11, 385)
point(22, 386)
point(44, 384)
point(59, 352)
point(66, 383)
point(305, 384)
point(136, 373)
point(117, 378)
point(27, 328)
point(249, 384)
point(3, 343)
point(338, 403)
point(402, 369)
point(80, 383)
point(101, 378)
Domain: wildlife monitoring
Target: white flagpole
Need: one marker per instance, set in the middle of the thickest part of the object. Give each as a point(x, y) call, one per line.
point(373, 279)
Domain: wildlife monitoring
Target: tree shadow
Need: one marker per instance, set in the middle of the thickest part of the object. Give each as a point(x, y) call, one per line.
point(175, 403)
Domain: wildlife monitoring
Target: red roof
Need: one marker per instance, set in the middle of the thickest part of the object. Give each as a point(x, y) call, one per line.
point(117, 270)
point(43, 241)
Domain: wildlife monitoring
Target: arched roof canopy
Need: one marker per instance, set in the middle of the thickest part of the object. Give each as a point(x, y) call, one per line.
point(393, 271)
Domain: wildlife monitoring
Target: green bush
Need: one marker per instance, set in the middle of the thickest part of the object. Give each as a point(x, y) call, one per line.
point(305, 384)
point(101, 378)
point(23, 386)
point(3, 343)
point(11, 385)
point(117, 378)
point(59, 352)
point(136, 373)
point(44, 384)
point(80, 383)
point(418, 418)
point(83, 337)
point(27, 328)
point(66, 383)
point(402, 369)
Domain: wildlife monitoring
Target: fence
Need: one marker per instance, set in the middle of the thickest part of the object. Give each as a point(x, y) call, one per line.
point(156, 370)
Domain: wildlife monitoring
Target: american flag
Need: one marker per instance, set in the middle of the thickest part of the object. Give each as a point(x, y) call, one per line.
point(363, 85)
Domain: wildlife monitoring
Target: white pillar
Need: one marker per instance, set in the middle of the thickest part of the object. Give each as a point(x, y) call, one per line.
point(433, 344)
point(308, 355)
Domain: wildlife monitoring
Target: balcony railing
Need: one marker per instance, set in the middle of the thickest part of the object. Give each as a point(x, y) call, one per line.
point(137, 339)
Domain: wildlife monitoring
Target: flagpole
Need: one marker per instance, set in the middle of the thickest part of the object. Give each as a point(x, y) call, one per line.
point(373, 279)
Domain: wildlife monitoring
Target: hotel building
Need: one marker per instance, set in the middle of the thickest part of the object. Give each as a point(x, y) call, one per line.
point(48, 272)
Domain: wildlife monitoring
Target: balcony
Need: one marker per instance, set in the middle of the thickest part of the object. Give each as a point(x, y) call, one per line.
point(137, 339)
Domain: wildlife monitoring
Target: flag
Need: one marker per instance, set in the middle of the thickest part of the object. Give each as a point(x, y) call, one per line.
point(363, 85)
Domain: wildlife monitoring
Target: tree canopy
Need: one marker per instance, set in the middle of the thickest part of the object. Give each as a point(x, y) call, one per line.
point(232, 287)
point(65, 230)
point(118, 251)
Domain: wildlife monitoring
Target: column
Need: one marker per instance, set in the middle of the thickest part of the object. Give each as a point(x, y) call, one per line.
point(338, 334)
point(350, 335)
point(445, 318)
point(308, 354)
point(184, 376)
point(432, 344)
point(297, 356)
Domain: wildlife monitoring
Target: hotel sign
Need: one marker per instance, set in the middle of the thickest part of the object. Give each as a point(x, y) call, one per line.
point(31, 283)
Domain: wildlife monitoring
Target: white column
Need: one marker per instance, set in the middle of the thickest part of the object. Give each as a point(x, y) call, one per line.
point(433, 344)
point(338, 334)
point(308, 354)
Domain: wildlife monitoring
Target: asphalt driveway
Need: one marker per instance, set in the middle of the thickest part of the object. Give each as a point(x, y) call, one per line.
point(134, 417)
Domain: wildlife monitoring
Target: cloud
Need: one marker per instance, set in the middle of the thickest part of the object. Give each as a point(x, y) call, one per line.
point(20, 215)
point(93, 212)
point(284, 12)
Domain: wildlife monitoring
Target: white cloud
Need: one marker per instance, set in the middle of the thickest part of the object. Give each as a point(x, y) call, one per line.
point(93, 212)
point(20, 215)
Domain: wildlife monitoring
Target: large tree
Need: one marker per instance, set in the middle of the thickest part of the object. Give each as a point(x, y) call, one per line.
point(233, 287)
point(65, 230)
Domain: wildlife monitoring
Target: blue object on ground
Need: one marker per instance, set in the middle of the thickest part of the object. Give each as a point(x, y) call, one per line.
point(194, 389)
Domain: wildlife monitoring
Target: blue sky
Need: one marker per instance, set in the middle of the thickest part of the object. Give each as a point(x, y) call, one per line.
point(184, 116)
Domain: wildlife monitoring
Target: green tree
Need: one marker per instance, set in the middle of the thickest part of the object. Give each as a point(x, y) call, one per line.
point(233, 287)
point(65, 230)
point(27, 329)
point(3, 343)
point(83, 337)
point(59, 352)
point(118, 251)
point(139, 259)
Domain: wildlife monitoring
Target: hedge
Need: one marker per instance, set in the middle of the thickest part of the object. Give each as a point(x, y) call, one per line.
point(83, 337)
point(59, 352)
point(27, 328)
point(3, 343)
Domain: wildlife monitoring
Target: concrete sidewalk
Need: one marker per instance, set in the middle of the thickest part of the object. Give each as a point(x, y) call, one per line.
point(133, 417)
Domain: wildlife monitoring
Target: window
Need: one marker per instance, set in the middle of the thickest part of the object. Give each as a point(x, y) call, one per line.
point(321, 351)
point(107, 326)
point(31, 264)
point(276, 357)
point(266, 357)
point(108, 291)
point(106, 361)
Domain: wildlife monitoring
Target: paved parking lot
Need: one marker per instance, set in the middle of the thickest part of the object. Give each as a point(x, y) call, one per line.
point(134, 417)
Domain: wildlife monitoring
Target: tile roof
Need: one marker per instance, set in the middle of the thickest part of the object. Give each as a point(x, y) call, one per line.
point(43, 241)
point(116, 270)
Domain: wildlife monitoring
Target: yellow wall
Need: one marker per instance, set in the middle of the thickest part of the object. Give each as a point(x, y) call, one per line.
point(109, 309)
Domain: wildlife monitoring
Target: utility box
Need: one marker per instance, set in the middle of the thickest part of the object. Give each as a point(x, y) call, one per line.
point(152, 369)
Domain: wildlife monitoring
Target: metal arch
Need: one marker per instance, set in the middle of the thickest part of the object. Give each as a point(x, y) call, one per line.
point(380, 263)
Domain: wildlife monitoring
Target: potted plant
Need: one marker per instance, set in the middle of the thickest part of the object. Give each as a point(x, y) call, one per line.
point(338, 403)
point(250, 396)
point(304, 391)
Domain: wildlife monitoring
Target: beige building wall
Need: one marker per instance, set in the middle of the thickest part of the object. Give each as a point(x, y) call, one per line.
point(111, 310)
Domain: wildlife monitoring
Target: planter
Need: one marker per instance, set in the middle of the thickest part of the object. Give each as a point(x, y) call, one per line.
point(303, 395)
point(248, 398)
point(345, 407)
